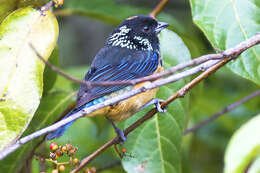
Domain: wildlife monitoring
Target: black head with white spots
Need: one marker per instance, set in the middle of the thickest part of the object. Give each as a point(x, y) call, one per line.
point(137, 33)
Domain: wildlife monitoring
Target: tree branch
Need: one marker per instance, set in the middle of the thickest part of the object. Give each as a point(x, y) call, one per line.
point(153, 77)
point(223, 111)
point(209, 66)
point(158, 8)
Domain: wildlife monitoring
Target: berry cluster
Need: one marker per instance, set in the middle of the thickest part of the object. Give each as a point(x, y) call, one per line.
point(58, 151)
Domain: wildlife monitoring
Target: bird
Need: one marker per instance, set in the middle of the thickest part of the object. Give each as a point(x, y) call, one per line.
point(131, 51)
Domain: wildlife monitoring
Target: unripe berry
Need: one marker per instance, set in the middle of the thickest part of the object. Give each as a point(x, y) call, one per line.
point(54, 171)
point(61, 168)
point(75, 161)
point(54, 146)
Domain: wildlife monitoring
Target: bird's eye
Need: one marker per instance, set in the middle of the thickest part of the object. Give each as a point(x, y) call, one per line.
point(146, 29)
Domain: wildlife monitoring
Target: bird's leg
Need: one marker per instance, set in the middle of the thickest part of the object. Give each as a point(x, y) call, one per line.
point(118, 131)
point(156, 102)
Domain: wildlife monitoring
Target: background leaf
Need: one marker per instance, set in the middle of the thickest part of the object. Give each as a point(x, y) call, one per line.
point(243, 147)
point(227, 23)
point(21, 71)
point(156, 145)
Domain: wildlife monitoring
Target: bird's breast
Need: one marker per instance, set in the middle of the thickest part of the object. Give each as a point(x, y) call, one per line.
point(128, 107)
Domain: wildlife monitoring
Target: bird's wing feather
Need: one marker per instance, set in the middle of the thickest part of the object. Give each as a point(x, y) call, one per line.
point(132, 66)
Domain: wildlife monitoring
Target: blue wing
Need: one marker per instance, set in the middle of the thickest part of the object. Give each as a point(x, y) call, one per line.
point(136, 65)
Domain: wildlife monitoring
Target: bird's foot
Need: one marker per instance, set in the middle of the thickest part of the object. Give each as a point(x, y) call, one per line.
point(157, 103)
point(119, 132)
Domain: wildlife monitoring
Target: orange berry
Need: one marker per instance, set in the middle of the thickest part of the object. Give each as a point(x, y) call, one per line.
point(64, 149)
point(123, 150)
point(93, 170)
point(61, 168)
point(54, 146)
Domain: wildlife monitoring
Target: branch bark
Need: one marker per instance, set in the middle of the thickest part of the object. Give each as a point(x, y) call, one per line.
point(158, 8)
point(153, 77)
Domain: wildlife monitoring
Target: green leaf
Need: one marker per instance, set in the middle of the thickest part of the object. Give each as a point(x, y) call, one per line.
point(243, 147)
point(255, 166)
point(226, 23)
point(51, 107)
point(6, 7)
point(21, 71)
point(156, 145)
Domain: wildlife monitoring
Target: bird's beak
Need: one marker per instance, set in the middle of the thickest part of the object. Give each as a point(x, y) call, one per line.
point(160, 27)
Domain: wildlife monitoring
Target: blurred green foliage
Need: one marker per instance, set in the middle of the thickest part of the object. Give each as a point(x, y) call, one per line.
point(157, 145)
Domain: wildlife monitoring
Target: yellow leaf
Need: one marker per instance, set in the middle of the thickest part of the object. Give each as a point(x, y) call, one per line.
point(21, 72)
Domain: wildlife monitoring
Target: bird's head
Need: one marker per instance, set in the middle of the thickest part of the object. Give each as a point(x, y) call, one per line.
point(137, 33)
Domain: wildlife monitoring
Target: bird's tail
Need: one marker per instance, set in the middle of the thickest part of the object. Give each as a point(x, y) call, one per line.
point(59, 132)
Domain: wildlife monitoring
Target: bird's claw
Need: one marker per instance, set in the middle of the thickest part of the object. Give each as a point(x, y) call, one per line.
point(120, 134)
point(158, 105)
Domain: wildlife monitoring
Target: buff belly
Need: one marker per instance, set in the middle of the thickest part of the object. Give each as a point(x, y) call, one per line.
point(128, 107)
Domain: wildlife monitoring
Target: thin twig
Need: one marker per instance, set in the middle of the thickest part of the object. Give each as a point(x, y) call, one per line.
point(223, 111)
point(153, 77)
point(57, 70)
point(211, 65)
point(158, 8)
